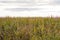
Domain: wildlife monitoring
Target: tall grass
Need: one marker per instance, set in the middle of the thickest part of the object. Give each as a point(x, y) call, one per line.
point(29, 28)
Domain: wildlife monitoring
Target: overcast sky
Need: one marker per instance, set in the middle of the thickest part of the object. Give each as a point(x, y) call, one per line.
point(37, 8)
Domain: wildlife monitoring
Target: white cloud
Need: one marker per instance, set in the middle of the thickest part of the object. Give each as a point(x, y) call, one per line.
point(43, 10)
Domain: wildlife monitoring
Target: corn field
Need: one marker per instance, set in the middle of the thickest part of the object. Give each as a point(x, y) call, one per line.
point(29, 28)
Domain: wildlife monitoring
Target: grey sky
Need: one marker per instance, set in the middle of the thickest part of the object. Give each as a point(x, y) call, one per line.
point(22, 9)
point(56, 2)
point(16, 1)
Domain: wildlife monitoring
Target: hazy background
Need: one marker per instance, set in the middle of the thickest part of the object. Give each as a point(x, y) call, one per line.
point(30, 8)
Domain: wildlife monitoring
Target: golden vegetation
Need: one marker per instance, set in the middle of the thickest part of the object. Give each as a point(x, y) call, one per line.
point(29, 28)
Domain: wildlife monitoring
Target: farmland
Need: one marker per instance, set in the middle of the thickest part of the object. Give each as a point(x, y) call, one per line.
point(30, 28)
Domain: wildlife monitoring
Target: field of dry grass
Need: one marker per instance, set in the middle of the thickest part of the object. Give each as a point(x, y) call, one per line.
point(29, 28)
